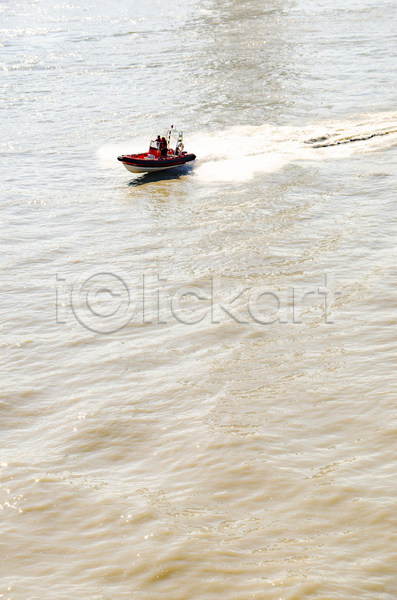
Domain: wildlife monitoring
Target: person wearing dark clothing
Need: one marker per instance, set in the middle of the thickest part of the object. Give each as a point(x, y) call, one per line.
point(163, 147)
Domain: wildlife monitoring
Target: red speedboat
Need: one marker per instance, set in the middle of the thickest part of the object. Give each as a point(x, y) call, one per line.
point(154, 160)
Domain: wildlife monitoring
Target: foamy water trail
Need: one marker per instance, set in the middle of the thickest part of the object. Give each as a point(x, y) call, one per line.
point(239, 153)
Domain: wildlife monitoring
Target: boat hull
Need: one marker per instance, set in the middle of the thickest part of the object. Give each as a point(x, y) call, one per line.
point(141, 164)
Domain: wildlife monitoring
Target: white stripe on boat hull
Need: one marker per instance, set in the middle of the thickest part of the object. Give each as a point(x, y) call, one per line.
point(135, 169)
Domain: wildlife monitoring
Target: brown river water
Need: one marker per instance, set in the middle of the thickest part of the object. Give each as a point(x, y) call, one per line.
point(198, 394)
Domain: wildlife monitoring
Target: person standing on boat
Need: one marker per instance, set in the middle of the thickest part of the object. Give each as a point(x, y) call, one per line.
point(163, 147)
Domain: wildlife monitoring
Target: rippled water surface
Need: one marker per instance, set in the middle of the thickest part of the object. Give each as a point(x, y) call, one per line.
point(198, 367)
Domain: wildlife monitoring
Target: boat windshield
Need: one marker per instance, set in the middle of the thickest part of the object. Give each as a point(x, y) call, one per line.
point(174, 139)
